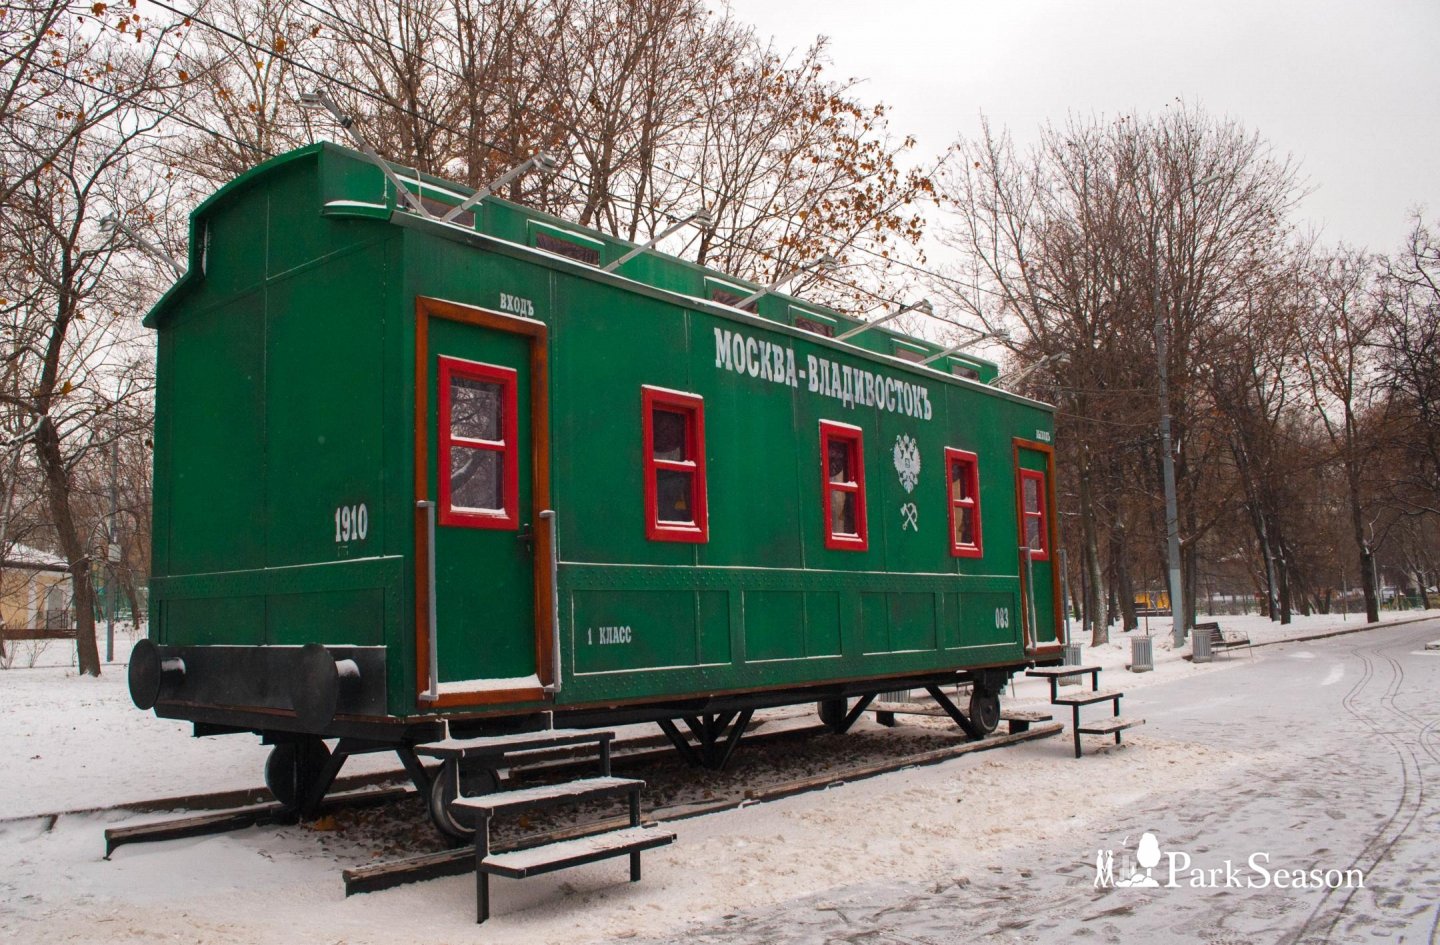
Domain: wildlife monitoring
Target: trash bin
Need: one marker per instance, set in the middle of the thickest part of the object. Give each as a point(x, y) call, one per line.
point(1142, 654)
point(1200, 651)
point(1070, 656)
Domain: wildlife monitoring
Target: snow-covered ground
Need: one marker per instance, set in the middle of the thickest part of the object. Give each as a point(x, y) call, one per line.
point(77, 743)
point(1171, 663)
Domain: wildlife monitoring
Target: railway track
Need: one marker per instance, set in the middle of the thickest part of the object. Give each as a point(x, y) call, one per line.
point(377, 876)
point(237, 810)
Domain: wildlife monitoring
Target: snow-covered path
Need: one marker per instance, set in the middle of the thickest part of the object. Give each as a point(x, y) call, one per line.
point(1344, 734)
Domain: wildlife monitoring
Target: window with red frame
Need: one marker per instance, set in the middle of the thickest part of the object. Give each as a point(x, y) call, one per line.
point(843, 470)
point(674, 445)
point(1032, 511)
point(479, 458)
point(963, 474)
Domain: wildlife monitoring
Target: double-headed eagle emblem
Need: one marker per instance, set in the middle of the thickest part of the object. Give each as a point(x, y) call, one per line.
point(907, 461)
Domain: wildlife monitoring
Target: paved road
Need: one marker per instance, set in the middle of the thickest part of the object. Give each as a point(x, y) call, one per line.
point(1344, 775)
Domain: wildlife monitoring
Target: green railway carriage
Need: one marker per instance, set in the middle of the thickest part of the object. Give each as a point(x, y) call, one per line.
point(411, 473)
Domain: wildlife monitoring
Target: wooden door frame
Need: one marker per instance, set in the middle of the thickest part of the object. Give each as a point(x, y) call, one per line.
point(1052, 528)
point(537, 333)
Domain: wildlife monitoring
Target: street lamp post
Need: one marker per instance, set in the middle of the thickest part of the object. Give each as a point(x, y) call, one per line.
point(1178, 612)
point(1167, 459)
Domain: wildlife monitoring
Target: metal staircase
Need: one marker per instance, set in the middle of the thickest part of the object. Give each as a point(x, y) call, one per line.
point(480, 809)
point(1094, 696)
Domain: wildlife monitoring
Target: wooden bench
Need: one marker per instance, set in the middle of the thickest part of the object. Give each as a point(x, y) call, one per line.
point(1224, 639)
point(7, 634)
point(20, 634)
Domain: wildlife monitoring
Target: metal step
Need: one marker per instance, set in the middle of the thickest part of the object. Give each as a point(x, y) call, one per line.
point(546, 795)
point(1025, 715)
point(1051, 672)
point(501, 744)
point(1088, 698)
point(556, 856)
point(1108, 726)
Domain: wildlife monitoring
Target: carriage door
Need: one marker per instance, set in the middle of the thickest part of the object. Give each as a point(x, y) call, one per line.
point(481, 461)
point(1035, 508)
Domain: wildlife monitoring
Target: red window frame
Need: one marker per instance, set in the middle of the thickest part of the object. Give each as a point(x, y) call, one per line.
point(843, 432)
point(972, 463)
point(1043, 552)
point(692, 408)
point(507, 447)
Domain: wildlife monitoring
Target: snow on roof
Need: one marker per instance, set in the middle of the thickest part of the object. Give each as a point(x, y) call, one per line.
point(24, 554)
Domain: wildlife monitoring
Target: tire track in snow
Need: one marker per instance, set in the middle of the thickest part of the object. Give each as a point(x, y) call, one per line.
point(1412, 788)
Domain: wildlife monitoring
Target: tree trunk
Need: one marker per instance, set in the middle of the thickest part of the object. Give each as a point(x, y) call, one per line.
point(1367, 558)
point(1189, 577)
point(1127, 586)
point(57, 494)
point(1272, 583)
point(132, 594)
point(1112, 605)
point(1099, 631)
point(1282, 573)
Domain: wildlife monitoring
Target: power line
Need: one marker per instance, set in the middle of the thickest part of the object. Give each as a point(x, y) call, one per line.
point(675, 175)
point(328, 77)
point(169, 113)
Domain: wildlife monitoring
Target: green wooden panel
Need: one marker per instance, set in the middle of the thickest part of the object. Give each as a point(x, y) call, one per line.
point(912, 621)
point(215, 483)
point(714, 626)
point(237, 236)
point(754, 461)
point(822, 624)
point(353, 617)
point(951, 620)
point(910, 524)
point(599, 370)
point(633, 630)
point(238, 621)
point(324, 436)
point(774, 625)
point(875, 622)
point(990, 619)
point(295, 234)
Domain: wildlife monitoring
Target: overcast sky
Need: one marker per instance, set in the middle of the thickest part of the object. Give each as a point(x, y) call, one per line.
point(1350, 89)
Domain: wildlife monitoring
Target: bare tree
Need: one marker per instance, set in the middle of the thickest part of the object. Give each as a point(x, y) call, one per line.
point(1080, 247)
point(71, 290)
point(1408, 343)
point(1342, 325)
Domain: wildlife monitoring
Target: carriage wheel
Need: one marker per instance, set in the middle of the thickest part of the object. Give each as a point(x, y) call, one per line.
point(832, 713)
point(985, 709)
point(293, 768)
point(449, 783)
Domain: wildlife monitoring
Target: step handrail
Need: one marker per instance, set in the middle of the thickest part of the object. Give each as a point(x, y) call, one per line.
point(553, 687)
point(432, 692)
